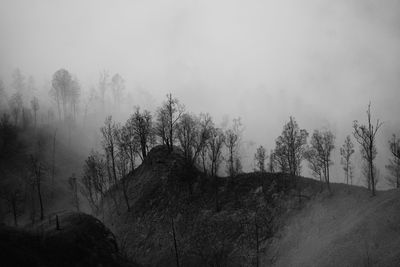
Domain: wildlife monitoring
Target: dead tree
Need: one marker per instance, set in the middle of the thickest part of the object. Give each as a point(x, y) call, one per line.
point(260, 157)
point(366, 136)
point(322, 142)
point(290, 146)
point(35, 107)
point(394, 162)
point(53, 163)
point(37, 171)
point(141, 133)
point(346, 151)
point(108, 132)
point(167, 118)
point(232, 142)
point(215, 145)
point(73, 186)
point(175, 243)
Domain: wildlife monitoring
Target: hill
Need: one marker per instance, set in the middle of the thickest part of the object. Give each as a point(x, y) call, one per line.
point(178, 212)
point(217, 221)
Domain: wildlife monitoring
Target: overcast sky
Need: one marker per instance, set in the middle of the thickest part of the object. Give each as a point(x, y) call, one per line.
point(321, 61)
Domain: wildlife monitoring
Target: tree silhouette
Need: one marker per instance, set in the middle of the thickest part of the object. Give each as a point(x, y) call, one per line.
point(366, 137)
point(290, 147)
point(394, 163)
point(260, 158)
point(346, 151)
point(322, 142)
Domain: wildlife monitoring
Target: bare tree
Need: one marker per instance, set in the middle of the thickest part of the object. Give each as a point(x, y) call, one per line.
point(232, 141)
point(117, 87)
point(346, 151)
point(215, 145)
point(365, 171)
point(26, 118)
point(140, 127)
point(73, 97)
point(18, 82)
point(193, 133)
point(94, 181)
point(16, 106)
point(161, 127)
point(53, 162)
point(3, 95)
point(103, 85)
point(322, 142)
point(206, 125)
point(260, 158)
point(271, 164)
point(109, 145)
point(30, 87)
point(35, 107)
point(130, 144)
point(62, 85)
point(73, 187)
point(12, 167)
point(394, 163)
point(315, 164)
point(37, 171)
point(365, 136)
point(123, 160)
point(167, 119)
point(12, 191)
point(290, 147)
point(88, 102)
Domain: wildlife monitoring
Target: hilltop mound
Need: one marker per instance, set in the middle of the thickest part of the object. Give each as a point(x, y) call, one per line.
point(214, 219)
point(81, 240)
point(347, 228)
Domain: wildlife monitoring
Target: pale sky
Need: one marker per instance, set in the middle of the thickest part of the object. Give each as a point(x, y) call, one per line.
point(321, 61)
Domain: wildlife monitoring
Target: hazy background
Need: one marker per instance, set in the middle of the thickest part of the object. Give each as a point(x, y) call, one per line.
point(320, 61)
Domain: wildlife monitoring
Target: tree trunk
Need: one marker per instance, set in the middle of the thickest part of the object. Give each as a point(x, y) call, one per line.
point(124, 191)
point(144, 152)
point(40, 197)
point(175, 244)
point(53, 163)
point(14, 208)
point(371, 170)
point(216, 195)
point(113, 165)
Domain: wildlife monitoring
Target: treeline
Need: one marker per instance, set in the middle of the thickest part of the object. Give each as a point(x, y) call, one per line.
point(36, 122)
point(124, 146)
point(28, 133)
point(209, 147)
point(292, 148)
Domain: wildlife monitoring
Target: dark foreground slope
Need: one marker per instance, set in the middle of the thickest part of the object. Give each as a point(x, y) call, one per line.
point(211, 228)
point(81, 240)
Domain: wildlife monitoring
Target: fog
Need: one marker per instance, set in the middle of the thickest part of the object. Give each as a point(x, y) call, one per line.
point(319, 61)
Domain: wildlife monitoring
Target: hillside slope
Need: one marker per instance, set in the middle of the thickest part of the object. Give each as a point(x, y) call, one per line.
point(347, 228)
point(213, 227)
